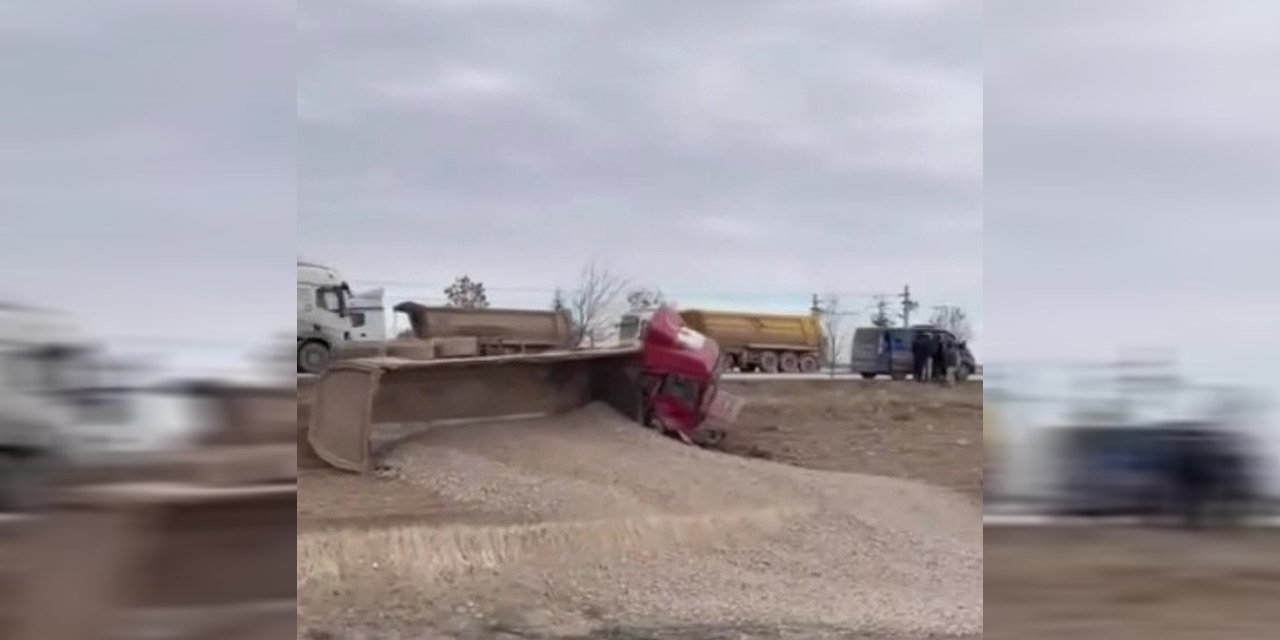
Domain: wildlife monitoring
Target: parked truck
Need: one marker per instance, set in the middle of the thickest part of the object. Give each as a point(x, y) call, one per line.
point(490, 331)
point(753, 342)
point(324, 319)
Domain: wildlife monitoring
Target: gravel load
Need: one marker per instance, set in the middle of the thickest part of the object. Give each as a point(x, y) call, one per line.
point(592, 525)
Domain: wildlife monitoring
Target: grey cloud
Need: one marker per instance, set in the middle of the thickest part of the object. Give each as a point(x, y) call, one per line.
point(842, 145)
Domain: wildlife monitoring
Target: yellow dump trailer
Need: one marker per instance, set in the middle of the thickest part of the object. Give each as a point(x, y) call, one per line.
point(769, 343)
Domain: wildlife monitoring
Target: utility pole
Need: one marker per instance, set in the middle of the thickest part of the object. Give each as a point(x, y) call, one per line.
point(816, 308)
point(908, 305)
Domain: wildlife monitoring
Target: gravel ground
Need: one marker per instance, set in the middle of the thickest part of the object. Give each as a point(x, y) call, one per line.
point(588, 527)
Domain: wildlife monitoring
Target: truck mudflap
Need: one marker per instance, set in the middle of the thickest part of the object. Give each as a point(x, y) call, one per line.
point(354, 395)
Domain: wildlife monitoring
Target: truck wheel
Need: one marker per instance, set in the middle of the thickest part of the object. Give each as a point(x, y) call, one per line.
point(963, 374)
point(898, 376)
point(868, 375)
point(312, 357)
point(809, 363)
point(789, 363)
point(769, 362)
point(726, 363)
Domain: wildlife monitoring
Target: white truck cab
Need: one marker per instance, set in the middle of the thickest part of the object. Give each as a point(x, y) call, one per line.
point(632, 325)
point(324, 318)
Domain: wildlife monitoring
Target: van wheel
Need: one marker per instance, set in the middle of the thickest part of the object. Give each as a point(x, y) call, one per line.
point(312, 357)
point(867, 375)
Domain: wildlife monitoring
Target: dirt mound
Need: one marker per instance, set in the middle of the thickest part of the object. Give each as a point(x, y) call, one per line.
point(570, 525)
point(900, 429)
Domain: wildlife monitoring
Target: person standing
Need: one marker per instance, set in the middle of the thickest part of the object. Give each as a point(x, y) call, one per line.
point(951, 359)
point(920, 354)
point(938, 361)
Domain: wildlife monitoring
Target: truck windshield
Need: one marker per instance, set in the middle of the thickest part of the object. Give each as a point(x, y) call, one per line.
point(332, 299)
point(682, 389)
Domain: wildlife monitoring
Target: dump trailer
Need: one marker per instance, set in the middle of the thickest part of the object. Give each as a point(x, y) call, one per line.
point(491, 331)
point(768, 343)
point(667, 381)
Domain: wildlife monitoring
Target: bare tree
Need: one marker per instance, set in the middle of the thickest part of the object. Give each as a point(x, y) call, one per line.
point(953, 319)
point(834, 330)
point(595, 303)
point(645, 299)
point(467, 293)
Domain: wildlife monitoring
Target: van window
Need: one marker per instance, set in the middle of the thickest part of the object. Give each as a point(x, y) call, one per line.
point(900, 340)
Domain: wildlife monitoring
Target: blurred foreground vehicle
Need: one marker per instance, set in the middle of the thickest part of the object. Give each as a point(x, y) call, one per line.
point(1196, 464)
point(140, 510)
point(1196, 471)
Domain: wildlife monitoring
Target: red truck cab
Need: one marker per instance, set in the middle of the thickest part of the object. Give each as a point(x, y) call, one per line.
point(681, 380)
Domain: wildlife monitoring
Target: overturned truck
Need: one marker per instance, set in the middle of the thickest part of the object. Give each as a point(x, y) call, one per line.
point(668, 381)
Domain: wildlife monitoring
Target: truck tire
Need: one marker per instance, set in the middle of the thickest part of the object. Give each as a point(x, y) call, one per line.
point(898, 376)
point(788, 362)
point(868, 375)
point(313, 356)
point(809, 363)
point(725, 363)
point(768, 362)
point(963, 373)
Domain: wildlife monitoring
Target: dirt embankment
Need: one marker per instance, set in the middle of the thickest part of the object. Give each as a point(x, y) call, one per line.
point(906, 430)
point(587, 526)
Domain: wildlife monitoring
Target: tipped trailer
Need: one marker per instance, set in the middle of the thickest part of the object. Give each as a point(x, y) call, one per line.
point(669, 380)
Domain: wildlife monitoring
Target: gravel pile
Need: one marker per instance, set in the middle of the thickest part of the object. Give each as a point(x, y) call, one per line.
point(602, 524)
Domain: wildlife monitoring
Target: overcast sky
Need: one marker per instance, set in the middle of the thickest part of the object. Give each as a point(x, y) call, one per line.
point(732, 152)
point(1133, 181)
point(147, 168)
